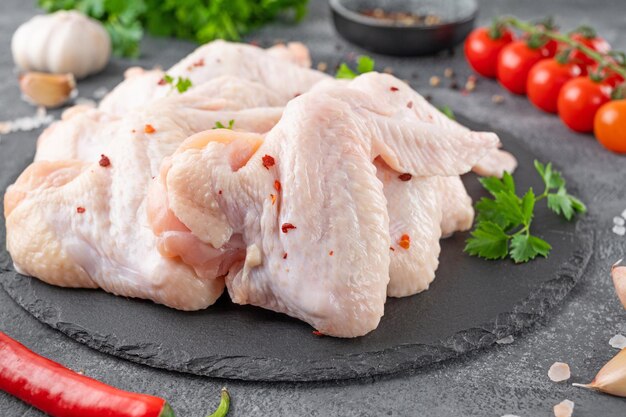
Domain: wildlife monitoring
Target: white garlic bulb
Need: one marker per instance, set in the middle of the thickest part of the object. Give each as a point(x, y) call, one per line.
point(62, 42)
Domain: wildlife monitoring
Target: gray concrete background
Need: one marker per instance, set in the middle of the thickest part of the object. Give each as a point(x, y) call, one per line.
point(508, 379)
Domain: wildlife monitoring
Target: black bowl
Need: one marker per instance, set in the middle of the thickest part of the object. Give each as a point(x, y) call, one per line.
point(456, 17)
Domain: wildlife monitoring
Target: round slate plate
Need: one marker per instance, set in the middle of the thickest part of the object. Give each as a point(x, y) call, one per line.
point(471, 304)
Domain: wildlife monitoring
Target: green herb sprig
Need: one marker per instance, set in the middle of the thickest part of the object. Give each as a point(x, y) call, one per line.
point(220, 125)
point(503, 223)
point(363, 64)
point(181, 84)
point(198, 20)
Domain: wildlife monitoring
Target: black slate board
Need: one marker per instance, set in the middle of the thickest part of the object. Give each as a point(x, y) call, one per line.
point(471, 304)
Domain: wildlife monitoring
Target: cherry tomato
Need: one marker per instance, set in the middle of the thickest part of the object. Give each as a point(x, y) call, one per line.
point(595, 42)
point(514, 64)
point(552, 47)
point(610, 77)
point(481, 50)
point(545, 80)
point(610, 126)
point(579, 100)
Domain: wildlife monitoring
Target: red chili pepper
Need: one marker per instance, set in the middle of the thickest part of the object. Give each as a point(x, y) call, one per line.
point(104, 161)
point(287, 226)
point(61, 392)
point(268, 161)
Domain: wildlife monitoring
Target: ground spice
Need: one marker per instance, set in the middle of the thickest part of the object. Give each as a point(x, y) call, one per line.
point(104, 161)
point(405, 241)
point(268, 161)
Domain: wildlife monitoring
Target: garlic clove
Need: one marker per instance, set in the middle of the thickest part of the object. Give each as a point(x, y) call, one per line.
point(564, 409)
point(49, 90)
point(612, 377)
point(618, 272)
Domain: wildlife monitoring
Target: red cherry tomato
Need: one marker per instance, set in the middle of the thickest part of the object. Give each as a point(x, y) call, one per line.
point(579, 100)
point(610, 126)
point(481, 50)
point(596, 43)
point(609, 76)
point(514, 64)
point(552, 47)
point(545, 80)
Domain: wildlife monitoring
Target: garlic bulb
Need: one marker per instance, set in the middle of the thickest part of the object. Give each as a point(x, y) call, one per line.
point(60, 43)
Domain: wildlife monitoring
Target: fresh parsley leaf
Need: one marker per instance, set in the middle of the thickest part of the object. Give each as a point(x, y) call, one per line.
point(526, 247)
point(183, 84)
point(495, 185)
point(448, 112)
point(220, 125)
point(503, 222)
point(488, 241)
point(364, 64)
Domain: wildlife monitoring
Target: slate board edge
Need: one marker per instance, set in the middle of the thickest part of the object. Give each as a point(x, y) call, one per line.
point(388, 362)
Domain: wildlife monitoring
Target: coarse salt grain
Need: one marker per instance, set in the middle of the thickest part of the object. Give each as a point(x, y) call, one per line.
point(564, 409)
point(619, 221)
point(505, 340)
point(100, 92)
point(618, 341)
point(559, 371)
point(619, 230)
point(624, 213)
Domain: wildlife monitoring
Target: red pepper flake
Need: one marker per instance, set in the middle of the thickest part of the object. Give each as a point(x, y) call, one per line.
point(287, 226)
point(405, 241)
point(220, 192)
point(285, 255)
point(104, 161)
point(331, 253)
point(405, 177)
point(391, 249)
point(268, 161)
point(149, 129)
point(80, 210)
point(133, 131)
point(273, 197)
point(394, 89)
point(162, 81)
point(297, 95)
point(277, 186)
point(409, 104)
point(317, 333)
point(199, 63)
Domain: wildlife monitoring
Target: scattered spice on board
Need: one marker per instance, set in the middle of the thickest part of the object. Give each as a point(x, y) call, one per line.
point(434, 81)
point(497, 99)
point(322, 66)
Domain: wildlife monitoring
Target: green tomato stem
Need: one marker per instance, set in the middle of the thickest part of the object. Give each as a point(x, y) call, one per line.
point(595, 55)
point(222, 409)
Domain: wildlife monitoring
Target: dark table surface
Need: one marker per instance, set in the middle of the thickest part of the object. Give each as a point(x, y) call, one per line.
point(505, 379)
